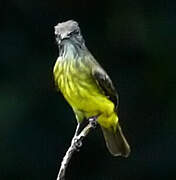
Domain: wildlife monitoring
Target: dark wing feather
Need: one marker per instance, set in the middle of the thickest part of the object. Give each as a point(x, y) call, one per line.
point(106, 85)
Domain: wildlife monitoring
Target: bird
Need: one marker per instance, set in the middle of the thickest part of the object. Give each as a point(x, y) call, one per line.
point(87, 87)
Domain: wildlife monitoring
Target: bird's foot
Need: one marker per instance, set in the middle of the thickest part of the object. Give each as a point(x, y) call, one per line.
point(93, 121)
point(77, 143)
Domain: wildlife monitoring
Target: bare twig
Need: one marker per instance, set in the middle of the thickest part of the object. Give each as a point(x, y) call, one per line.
point(75, 144)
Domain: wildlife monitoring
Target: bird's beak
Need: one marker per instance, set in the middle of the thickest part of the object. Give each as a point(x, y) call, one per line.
point(64, 36)
point(60, 37)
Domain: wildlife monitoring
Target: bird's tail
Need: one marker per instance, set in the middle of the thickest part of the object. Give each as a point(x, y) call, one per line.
point(116, 142)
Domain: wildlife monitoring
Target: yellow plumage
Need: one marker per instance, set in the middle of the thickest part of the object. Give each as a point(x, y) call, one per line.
point(82, 92)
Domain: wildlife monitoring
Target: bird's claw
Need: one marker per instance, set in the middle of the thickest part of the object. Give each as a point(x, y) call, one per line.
point(93, 122)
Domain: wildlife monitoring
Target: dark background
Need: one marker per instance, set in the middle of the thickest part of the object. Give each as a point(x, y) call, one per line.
point(134, 41)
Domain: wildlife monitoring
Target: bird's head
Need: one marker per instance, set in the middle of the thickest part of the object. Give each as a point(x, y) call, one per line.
point(67, 30)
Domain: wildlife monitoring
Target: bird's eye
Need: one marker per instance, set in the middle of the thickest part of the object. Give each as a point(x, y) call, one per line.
point(75, 32)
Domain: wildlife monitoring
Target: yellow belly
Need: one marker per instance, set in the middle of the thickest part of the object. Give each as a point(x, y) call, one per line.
point(83, 93)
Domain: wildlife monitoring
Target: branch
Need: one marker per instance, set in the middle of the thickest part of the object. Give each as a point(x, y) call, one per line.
point(76, 143)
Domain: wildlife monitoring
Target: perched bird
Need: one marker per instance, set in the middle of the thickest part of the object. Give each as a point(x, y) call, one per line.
point(87, 87)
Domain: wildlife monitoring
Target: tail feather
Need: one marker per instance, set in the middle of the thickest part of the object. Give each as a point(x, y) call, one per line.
point(116, 142)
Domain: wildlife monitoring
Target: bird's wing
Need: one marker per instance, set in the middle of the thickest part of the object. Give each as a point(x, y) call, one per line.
point(103, 80)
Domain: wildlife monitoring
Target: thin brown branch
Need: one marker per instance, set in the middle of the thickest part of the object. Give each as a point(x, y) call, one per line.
point(75, 144)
